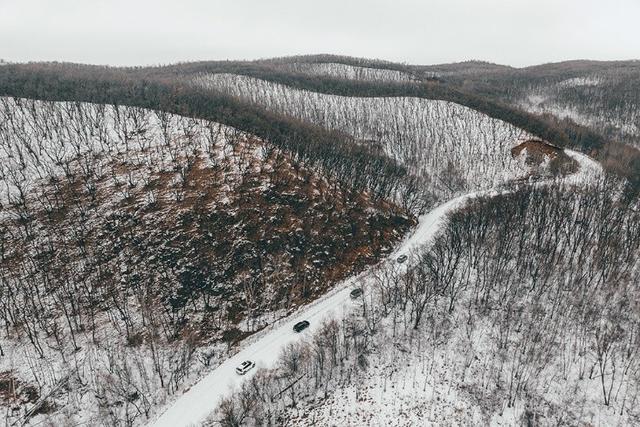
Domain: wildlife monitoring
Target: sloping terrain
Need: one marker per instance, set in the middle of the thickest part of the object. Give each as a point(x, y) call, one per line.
point(520, 270)
point(600, 96)
point(519, 312)
point(349, 72)
point(164, 88)
point(451, 148)
point(561, 108)
point(138, 247)
point(144, 253)
point(201, 400)
point(606, 101)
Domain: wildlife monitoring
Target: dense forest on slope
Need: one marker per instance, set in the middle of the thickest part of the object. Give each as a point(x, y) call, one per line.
point(428, 89)
point(354, 165)
point(523, 311)
point(450, 148)
point(149, 224)
point(600, 120)
point(600, 96)
point(151, 86)
point(138, 247)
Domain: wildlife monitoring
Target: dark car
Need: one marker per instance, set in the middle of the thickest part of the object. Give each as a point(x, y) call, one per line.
point(301, 326)
point(402, 258)
point(356, 293)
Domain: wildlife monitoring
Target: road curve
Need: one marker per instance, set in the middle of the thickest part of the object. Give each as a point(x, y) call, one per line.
point(193, 407)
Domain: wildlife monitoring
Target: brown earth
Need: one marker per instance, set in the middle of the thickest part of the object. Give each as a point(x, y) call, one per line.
point(280, 237)
point(537, 151)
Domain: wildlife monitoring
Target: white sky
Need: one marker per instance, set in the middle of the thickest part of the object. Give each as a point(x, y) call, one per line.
point(140, 32)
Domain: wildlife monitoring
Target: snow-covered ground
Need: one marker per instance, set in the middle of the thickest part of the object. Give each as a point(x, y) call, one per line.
point(94, 163)
point(40, 140)
point(580, 81)
point(454, 149)
point(589, 170)
point(193, 407)
point(200, 400)
point(596, 110)
point(116, 152)
point(349, 72)
point(114, 129)
point(420, 379)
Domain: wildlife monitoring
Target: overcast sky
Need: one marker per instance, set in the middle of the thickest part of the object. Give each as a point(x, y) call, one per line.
point(130, 32)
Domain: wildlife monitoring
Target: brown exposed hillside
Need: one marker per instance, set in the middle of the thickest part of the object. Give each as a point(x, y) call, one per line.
point(538, 152)
point(130, 235)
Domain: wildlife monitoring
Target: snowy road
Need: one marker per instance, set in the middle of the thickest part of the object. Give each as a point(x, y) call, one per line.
point(199, 401)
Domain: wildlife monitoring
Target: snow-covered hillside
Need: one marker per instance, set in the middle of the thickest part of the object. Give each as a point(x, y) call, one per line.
point(138, 248)
point(193, 407)
point(145, 255)
point(518, 312)
point(337, 306)
point(348, 72)
point(588, 101)
point(43, 140)
point(453, 148)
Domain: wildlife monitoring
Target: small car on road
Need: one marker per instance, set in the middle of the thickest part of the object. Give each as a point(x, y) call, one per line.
point(301, 326)
point(402, 258)
point(245, 367)
point(356, 293)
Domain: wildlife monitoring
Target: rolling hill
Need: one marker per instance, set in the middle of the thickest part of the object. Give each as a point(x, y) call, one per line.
point(160, 224)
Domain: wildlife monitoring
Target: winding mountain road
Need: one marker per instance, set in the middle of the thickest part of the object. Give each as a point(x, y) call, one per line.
point(193, 407)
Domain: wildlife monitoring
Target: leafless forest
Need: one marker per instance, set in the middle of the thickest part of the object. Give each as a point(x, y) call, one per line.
point(526, 300)
point(137, 246)
point(155, 222)
point(450, 148)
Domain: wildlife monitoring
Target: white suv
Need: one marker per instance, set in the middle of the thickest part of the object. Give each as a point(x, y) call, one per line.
point(245, 367)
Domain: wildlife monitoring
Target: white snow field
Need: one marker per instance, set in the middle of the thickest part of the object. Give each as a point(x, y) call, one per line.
point(453, 148)
point(198, 402)
point(589, 170)
point(348, 72)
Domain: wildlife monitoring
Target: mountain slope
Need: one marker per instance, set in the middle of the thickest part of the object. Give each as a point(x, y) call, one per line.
point(139, 247)
point(519, 311)
point(451, 148)
point(202, 399)
point(143, 250)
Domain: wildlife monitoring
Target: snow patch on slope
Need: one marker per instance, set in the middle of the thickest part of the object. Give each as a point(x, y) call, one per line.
point(348, 72)
point(455, 149)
